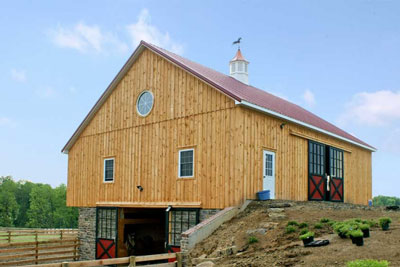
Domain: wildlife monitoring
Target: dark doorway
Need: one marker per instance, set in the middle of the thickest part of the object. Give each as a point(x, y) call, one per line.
point(142, 231)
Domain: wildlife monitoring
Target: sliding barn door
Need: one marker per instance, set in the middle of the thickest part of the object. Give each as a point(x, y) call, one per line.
point(106, 233)
point(336, 181)
point(316, 171)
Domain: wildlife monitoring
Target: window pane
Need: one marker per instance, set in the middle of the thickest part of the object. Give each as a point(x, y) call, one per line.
point(186, 163)
point(108, 169)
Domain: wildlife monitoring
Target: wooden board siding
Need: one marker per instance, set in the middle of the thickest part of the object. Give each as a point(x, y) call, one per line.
point(228, 141)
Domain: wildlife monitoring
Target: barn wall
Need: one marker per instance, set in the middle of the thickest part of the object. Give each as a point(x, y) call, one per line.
point(291, 147)
point(228, 142)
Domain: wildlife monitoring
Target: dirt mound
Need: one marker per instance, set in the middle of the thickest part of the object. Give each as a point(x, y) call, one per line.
point(265, 223)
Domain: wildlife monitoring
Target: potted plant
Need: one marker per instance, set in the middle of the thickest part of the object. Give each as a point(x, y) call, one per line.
point(384, 223)
point(357, 237)
point(338, 229)
point(307, 237)
point(344, 230)
point(365, 229)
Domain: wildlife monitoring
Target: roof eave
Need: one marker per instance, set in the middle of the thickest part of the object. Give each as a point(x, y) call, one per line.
point(276, 114)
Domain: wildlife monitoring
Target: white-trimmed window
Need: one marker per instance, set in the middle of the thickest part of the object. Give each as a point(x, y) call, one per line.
point(108, 170)
point(186, 163)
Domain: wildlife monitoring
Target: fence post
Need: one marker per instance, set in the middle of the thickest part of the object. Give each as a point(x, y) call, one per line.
point(75, 249)
point(179, 259)
point(36, 251)
point(61, 234)
point(36, 236)
point(132, 261)
point(9, 236)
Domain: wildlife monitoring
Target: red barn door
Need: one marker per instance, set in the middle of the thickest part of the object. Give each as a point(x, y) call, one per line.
point(336, 174)
point(316, 171)
point(106, 233)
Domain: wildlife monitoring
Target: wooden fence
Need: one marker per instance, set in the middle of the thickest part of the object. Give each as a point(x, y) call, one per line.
point(127, 260)
point(39, 251)
point(10, 235)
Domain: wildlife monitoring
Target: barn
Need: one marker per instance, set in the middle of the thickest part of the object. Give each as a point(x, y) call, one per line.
point(170, 142)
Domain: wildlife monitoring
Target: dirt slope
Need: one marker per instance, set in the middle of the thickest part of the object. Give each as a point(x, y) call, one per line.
point(276, 248)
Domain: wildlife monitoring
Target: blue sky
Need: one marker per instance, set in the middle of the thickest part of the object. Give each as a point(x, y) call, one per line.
point(338, 59)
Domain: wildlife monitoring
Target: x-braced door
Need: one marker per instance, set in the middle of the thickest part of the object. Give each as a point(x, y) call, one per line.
point(336, 174)
point(316, 171)
point(106, 233)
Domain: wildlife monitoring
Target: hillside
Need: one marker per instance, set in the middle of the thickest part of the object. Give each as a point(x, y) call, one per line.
point(267, 220)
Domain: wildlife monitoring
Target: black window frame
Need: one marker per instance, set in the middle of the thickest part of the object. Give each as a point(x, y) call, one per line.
point(175, 227)
point(336, 162)
point(316, 155)
point(107, 179)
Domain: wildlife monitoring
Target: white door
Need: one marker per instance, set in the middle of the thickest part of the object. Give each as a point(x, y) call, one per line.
point(269, 172)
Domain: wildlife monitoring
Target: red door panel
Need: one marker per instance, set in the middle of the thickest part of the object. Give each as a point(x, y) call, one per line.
point(336, 186)
point(105, 248)
point(317, 188)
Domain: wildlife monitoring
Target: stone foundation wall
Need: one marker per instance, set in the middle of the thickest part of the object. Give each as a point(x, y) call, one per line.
point(87, 233)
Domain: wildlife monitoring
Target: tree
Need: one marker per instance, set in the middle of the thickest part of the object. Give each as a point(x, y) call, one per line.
point(386, 201)
point(22, 195)
point(64, 217)
point(40, 213)
point(8, 204)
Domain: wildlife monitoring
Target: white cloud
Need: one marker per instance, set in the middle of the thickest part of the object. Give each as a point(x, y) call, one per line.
point(4, 121)
point(85, 38)
point(374, 109)
point(72, 89)
point(18, 75)
point(46, 92)
point(144, 30)
point(309, 98)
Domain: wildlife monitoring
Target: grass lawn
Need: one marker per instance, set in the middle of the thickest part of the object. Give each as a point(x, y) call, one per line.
point(29, 238)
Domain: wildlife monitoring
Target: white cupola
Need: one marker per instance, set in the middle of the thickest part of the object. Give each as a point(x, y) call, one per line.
point(238, 67)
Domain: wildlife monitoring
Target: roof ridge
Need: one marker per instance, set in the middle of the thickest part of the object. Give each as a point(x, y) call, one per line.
point(242, 93)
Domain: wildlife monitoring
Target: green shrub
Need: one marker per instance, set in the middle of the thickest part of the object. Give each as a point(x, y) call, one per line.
point(303, 225)
point(372, 223)
point(384, 221)
point(337, 226)
point(331, 223)
point(367, 263)
point(318, 226)
point(364, 226)
point(293, 223)
point(356, 233)
point(290, 229)
point(303, 231)
point(324, 220)
point(253, 239)
point(343, 229)
point(306, 235)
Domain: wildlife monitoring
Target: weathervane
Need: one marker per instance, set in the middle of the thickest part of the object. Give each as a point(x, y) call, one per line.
point(237, 42)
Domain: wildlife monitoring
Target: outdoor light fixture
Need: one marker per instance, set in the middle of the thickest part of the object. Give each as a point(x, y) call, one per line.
point(140, 188)
point(283, 125)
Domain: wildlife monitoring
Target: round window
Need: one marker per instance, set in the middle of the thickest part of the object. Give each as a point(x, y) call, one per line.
point(145, 103)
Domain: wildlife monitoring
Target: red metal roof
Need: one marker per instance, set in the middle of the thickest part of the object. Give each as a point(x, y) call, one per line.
point(242, 92)
point(239, 56)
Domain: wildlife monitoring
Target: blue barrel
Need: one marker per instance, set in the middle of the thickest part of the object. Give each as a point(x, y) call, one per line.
point(263, 195)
